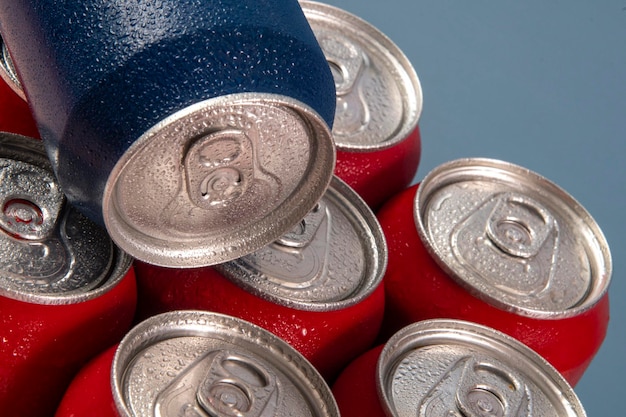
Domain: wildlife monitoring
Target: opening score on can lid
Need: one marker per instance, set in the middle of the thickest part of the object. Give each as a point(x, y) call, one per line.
point(218, 180)
point(512, 238)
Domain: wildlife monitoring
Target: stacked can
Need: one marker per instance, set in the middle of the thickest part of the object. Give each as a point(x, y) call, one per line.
point(66, 292)
point(182, 126)
point(318, 287)
point(453, 368)
point(379, 102)
point(494, 243)
point(196, 363)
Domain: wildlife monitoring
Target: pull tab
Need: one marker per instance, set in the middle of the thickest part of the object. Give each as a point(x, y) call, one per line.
point(519, 225)
point(509, 242)
point(347, 63)
point(218, 167)
point(304, 232)
point(30, 201)
point(473, 388)
point(221, 384)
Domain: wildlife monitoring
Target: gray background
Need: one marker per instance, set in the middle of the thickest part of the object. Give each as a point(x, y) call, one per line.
point(541, 84)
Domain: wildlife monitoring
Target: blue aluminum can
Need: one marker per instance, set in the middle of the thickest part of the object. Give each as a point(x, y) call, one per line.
point(176, 122)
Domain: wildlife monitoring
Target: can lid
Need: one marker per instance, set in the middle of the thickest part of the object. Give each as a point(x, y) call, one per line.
point(197, 363)
point(334, 258)
point(513, 238)
point(49, 252)
point(8, 72)
point(218, 180)
point(450, 367)
point(379, 96)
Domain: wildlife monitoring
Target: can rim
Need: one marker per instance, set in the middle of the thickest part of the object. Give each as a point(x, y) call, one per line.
point(446, 331)
point(346, 196)
point(203, 251)
point(187, 323)
point(412, 89)
point(472, 168)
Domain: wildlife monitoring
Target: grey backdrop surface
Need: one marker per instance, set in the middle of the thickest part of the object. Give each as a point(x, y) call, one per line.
point(541, 84)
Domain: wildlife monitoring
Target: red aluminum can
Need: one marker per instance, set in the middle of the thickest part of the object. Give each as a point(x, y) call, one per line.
point(15, 115)
point(379, 102)
point(493, 243)
point(453, 368)
point(89, 393)
point(193, 363)
point(318, 287)
point(66, 291)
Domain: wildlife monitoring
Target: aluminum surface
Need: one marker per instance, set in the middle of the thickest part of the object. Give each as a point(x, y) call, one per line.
point(226, 176)
point(456, 368)
point(334, 258)
point(49, 252)
point(379, 96)
point(7, 71)
point(513, 238)
point(206, 364)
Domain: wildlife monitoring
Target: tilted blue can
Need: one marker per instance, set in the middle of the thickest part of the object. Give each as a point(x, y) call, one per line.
point(236, 79)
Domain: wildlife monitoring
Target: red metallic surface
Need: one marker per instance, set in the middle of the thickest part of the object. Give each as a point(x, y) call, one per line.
point(43, 346)
point(378, 175)
point(89, 394)
point(355, 389)
point(329, 340)
point(15, 115)
point(417, 289)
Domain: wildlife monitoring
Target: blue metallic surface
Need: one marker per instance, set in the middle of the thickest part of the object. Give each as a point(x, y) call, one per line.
point(99, 73)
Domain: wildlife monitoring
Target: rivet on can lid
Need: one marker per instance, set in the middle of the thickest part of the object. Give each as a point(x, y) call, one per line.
point(379, 97)
point(218, 180)
point(49, 252)
point(456, 368)
point(206, 364)
point(334, 258)
point(512, 238)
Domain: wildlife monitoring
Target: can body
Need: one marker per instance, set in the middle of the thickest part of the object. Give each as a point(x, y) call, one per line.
point(450, 367)
point(99, 83)
point(45, 345)
point(89, 393)
point(419, 286)
point(66, 291)
point(379, 102)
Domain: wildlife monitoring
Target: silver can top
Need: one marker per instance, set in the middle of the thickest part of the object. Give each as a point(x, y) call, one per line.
point(196, 363)
point(49, 252)
point(456, 368)
point(513, 238)
point(334, 258)
point(8, 72)
point(218, 180)
point(379, 96)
